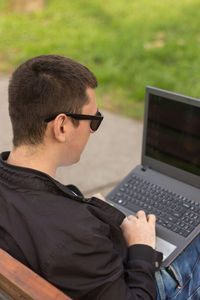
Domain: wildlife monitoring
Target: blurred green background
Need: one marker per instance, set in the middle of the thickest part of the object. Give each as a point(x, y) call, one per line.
point(127, 44)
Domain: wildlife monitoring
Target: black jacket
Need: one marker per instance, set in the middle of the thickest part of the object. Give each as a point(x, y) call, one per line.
point(73, 242)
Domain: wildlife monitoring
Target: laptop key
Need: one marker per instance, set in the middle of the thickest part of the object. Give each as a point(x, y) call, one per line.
point(121, 202)
point(176, 214)
point(186, 205)
point(172, 219)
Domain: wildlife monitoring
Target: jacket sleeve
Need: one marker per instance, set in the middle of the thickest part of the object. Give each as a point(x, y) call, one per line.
point(138, 280)
point(89, 267)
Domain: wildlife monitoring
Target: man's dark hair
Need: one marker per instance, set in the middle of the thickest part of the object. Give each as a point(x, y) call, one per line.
point(41, 87)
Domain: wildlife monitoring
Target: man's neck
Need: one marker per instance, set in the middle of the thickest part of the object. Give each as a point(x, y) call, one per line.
point(33, 157)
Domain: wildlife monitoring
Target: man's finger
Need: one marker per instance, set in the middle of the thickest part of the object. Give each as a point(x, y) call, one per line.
point(131, 218)
point(141, 215)
point(151, 218)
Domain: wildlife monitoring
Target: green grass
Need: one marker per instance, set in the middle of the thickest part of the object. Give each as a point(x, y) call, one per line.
point(128, 45)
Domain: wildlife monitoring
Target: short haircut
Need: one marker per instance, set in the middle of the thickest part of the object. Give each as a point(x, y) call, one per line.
point(43, 86)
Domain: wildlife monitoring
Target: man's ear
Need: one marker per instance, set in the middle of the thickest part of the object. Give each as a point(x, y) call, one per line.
point(60, 125)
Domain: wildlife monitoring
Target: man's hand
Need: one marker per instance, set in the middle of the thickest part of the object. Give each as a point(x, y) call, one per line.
point(99, 196)
point(139, 229)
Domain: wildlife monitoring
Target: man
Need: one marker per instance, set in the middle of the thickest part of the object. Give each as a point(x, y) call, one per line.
point(84, 246)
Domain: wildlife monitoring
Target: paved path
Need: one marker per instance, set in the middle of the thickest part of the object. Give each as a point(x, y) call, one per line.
point(110, 154)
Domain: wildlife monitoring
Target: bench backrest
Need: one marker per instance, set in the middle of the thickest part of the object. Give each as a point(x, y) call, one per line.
point(21, 283)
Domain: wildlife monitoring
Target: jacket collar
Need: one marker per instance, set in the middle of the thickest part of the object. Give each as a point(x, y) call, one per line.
point(20, 178)
point(27, 178)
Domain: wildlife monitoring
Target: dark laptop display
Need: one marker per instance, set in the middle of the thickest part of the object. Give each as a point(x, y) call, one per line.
point(167, 182)
point(173, 133)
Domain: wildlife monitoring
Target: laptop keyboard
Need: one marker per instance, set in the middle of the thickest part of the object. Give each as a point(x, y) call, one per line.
point(173, 211)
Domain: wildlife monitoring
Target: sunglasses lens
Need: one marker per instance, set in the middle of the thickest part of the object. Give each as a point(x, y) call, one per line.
point(94, 125)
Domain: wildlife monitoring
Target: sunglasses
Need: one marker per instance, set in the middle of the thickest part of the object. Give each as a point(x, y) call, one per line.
point(94, 123)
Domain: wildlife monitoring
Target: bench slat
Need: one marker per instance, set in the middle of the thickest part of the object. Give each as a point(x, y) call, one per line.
point(21, 283)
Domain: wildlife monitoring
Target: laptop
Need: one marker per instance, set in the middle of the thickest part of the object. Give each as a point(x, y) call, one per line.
point(167, 183)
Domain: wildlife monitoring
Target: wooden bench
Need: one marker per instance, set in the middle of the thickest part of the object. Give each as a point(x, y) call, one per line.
point(20, 283)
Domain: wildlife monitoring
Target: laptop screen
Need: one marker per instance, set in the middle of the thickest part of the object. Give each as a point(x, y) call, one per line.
point(173, 133)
